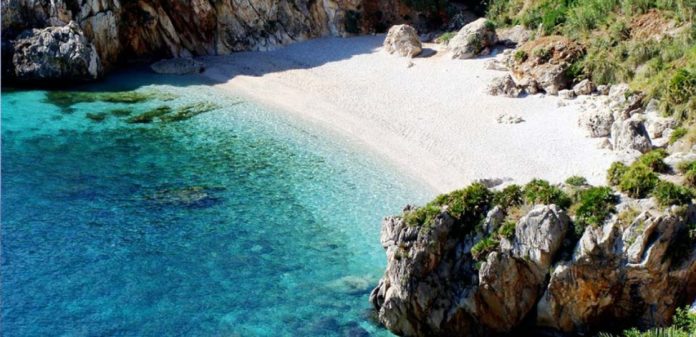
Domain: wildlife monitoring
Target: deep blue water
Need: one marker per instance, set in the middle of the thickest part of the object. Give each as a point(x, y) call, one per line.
point(237, 222)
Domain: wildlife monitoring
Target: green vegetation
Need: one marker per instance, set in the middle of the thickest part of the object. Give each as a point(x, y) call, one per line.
point(683, 325)
point(668, 194)
point(593, 206)
point(689, 170)
point(468, 206)
point(446, 37)
point(576, 181)
point(507, 230)
point(654, 160)
point(677, 134)
point(615, 172)
point(520, 56)
point(638, 181)
point(632, 41)
point(510, 196)
point(481, 249)
point(96, 117)
point(540, 191)
point(626, 217)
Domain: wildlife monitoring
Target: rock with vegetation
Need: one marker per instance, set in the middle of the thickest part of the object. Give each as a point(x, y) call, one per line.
point(543, 64)
point(178, 66)
point(403, 40)
point(55, 54)
point(481, 262)
point(474, 39)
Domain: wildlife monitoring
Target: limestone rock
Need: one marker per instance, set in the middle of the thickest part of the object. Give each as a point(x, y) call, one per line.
point(504, 86)
point(509, 119)
point(584, 87)
point(597, 122)
point(603, 89)
point(566, 94)
point(178, 66)
point(630, 135)
point(513, 36)
point(55, 53)
point(402, 40)
point(545, 64)
point(473, 40)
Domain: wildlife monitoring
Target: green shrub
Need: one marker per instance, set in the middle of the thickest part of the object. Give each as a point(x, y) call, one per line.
point(510, 196)
point(446, 37)
point(576, 181)
point(594, 205)
point(654, 160)
point(542, 53)
point(540, 191)
point(481, 249)
point(677, 134)
point(421, 216)
point(684, 320)
point(507, 230)
point(638, 181)
point(615, 172)
point(520, 56)
point(668, 194)
point(682, 87)
point(689, 171)
point(469, 205)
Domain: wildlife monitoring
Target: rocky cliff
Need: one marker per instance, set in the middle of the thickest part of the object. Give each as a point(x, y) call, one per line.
point(460, 266)
point(127, 31)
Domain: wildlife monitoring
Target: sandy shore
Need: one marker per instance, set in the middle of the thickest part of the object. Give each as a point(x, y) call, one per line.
point(433, 119)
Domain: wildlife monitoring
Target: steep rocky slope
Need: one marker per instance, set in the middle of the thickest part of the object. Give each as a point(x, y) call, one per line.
point(127, 31)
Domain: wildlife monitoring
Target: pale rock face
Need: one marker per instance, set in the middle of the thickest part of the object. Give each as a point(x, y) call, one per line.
point(513, 36)
point(473, 40)
point(597, 122)
point(615, 274)
point(631, 135)
point(402, 40)
point(504, 86)
point(55, 53)
point(566, 94)
point(178, 66)
point(585, 87)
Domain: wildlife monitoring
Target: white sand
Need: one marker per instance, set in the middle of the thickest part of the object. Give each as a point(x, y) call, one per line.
point(434, 119)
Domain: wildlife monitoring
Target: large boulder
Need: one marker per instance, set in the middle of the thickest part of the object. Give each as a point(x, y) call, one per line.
point(630, 134)
point(55, 53)
point(597, 121)
point(513, 36)
point(504, 86)
point(403, 40)
point(542, 64)
point(473, 39)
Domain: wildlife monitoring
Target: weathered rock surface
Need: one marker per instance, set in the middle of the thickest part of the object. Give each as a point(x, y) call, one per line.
point(630, 134)
point(504, 86)
point(545, 64)
point(402, 40)
point(584, 87)
point(623, 274)
point(597, 122)
point(55, 53)
point(146, 30)
point(473, 40)
point(513, 36)
point(178, 66)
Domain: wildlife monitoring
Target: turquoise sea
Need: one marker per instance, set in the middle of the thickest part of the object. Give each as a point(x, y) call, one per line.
point(239, 221)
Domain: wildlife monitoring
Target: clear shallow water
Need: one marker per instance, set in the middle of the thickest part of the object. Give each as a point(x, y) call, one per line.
point(237, 222)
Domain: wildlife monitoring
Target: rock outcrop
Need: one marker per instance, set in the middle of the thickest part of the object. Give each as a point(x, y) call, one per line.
point(147, 30)
point(542, 64)
point(504, 86)
point(402, 40)
point(55, 53)
point(626, 274)
point(473, 40)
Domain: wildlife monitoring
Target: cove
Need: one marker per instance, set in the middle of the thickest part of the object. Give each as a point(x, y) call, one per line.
point(234, 221)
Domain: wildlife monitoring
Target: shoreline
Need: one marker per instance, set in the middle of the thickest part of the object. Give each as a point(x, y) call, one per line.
point(433, 119)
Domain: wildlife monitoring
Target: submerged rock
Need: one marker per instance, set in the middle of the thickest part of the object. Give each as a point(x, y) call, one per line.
point(402, 40)
point(55, 53)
